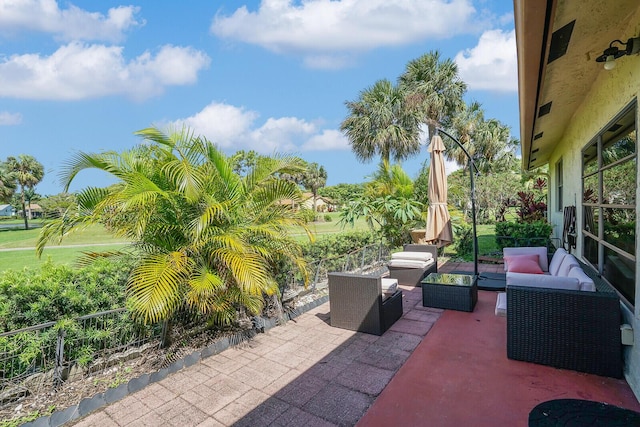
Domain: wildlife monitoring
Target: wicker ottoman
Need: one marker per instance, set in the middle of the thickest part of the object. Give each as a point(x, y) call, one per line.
point(450, 291)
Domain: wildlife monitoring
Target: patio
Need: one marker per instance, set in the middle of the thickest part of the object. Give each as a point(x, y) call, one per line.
point(433, 367)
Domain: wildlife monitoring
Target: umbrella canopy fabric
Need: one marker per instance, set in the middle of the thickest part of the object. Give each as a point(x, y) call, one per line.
point(438, 220)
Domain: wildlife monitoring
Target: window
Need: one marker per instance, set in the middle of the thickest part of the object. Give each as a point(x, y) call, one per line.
point(609, 164)
point(559, 179)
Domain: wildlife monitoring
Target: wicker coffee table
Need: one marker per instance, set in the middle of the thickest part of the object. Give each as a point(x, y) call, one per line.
point(450, 291)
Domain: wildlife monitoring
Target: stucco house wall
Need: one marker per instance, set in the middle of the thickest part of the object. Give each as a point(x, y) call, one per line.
point(611, 93)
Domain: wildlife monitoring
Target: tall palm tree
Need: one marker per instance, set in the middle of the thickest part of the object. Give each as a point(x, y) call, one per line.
point(210, 239)
point(464, 125)
point(379, 123)
point(433, 88)
point(314, 178)
point(28, 172)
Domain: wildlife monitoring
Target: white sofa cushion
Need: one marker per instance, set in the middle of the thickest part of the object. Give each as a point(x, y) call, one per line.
point(568, 263)
point(556, 260)
point(416, 256)
point(408, 263)
point(541, 251)
point(586, 283)
point(542, 281)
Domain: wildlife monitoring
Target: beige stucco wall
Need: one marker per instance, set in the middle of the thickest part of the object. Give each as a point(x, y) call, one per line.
point(611, 93)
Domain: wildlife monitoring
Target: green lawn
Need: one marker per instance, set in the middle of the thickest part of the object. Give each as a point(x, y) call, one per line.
point(18, 259)
point(96, 239)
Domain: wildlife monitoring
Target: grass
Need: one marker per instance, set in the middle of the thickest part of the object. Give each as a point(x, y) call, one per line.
point(18, 259)
point(96, 239)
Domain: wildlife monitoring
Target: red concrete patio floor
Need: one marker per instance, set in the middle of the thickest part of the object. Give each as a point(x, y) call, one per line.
point(432, 368)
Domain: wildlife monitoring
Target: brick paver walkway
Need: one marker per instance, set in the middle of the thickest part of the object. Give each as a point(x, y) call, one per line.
point(304, 373)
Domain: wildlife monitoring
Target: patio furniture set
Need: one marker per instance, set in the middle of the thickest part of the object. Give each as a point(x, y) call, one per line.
point(563, 316)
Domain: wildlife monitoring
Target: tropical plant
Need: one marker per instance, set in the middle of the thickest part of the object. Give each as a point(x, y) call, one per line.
point(379, 123)
point(314, 178)
point(433, 89)
point(210, 239)
point(388, 205)
point(27, 172)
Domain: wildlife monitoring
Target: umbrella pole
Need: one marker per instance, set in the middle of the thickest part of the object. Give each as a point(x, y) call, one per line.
point(472, 166)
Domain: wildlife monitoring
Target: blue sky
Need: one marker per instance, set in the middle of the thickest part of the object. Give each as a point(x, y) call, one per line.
point(270, 75)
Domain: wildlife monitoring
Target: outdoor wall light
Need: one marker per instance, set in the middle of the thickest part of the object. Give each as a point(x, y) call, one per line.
point(612, 53)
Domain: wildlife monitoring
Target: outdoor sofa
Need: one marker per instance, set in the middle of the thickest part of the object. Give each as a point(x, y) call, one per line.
point(409, 269)
point(565, 328)
point(364, 303)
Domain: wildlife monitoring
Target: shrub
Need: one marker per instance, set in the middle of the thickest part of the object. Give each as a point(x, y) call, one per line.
point(33, 296)
point(463, 240)
point(328, 218)
point(308, 215)
point(535, 233)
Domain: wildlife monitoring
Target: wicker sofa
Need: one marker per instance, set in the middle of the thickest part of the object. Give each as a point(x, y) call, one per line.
point(413, 276)
point(357, 303)
point(569, 329)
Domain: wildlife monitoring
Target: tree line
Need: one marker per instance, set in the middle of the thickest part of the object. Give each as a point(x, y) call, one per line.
point(18, 179)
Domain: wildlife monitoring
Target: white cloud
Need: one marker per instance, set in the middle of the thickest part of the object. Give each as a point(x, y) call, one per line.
point(9, 119)
point(78, 71)
point(324, 31)
point(329, 139)
point(492, 64)
point(68, 24)
point(235, 128)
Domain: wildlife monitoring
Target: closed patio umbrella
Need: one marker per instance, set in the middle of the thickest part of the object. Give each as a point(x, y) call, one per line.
point(438, 230)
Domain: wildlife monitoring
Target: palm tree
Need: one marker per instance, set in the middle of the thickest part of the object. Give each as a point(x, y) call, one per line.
point(433, 88)
point(7, 183)
point(379, 123)
point(314, 178)
point(464, 125)
point(28, 172)
point(210, 239)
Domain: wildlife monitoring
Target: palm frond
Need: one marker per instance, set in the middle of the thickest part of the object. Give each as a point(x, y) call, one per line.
point(154, 285)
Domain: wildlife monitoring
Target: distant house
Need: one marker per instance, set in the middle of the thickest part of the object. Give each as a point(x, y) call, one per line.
point(33, 211)
point(323, 204)
point(6, 211)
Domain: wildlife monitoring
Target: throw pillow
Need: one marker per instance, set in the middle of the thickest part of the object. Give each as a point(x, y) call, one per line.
point(523, 264)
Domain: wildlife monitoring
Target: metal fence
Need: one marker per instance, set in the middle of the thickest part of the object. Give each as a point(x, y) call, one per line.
point(40, 358)
point(367, 260)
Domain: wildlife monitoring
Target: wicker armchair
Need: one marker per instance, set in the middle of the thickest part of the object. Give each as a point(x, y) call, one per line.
point(356, 303)
point(413, 276)
point(566, 329)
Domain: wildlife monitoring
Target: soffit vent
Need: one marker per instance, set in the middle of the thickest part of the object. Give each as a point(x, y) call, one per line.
point(535, 151)
point(560, 42)
point(538, 136)
point(614, 127)
point(544, 110)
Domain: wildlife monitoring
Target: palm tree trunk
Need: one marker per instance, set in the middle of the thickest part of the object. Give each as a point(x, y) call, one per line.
point(24, 211)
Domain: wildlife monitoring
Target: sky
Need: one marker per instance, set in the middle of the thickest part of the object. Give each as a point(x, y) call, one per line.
point(271, 76)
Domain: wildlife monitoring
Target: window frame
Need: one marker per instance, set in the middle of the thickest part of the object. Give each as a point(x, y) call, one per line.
point(596, 234)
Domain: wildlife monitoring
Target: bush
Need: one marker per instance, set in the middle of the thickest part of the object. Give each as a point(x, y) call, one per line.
point(337, 244)
point(516, 234)
point(328, 218)
point(33, 296)
point(463, 240)
point(308, 215)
